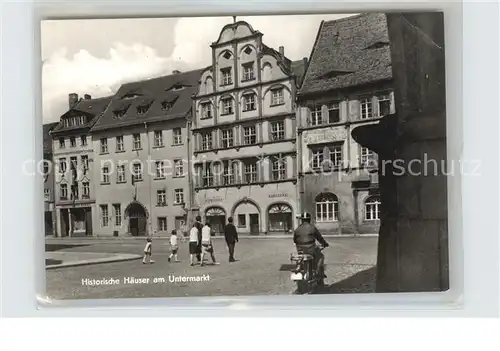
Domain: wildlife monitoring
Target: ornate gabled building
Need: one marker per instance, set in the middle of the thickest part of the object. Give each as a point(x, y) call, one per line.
point(244, 134)
point(72, 164)
point(141, 157)
point(348, 83)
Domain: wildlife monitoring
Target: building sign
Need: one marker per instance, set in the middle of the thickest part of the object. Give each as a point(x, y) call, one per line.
point(325, 135)
point(278, 195)
point(210, 200)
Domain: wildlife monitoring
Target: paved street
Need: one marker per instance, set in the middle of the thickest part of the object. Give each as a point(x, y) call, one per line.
point(262, 269)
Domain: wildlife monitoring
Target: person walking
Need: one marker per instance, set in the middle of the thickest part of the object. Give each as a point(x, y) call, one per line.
point(206, 244)
point(148, 251)
point(174, 246)
point(231, 236)
point(193, 244)
point(198, 226)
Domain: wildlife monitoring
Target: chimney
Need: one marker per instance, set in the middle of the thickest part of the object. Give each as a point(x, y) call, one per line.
point(87, 97)
point(176, 71)
point(73, 100)
point(282, 51)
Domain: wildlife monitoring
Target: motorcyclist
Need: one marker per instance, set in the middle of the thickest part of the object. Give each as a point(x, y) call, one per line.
point(305, 237)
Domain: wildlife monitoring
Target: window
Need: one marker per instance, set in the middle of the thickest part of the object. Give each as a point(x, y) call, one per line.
point(242, 220)
point(105, 175)
point(367, 156)
point(161, 197)
point(141, 110)
point(117, 209)
point(372, 208)
point(162, 224)
point(63, 191)
point(104, 145)
point(277, 97)
point(206, 110)
point(227, 106)
point(227, 173)
point(248, 72)
point(62, 165)
point(207, 177)
point(248, 50)
point(86, 190)
point(178, 168)
point(85, 162)
point(74, 191)
point(206, 141)
point(120, 174)
point(278, 169)
point(72, 142)
point(177, 133)
point(366, 108)
point(73, 162)
point(227, 138)
point(137, 175)
point(137, 141)
point(160, 170)
point(317, 157)
point(227, 55)
point(83, 139)
point(327, 208)
point(119, 144)
point(225, 77)
point(249, 135)
point(384, 105)
point(62, 144)
point(46, 167)
point(166, 105)
point(249, 102)
point(250, 171)
point(333, 112)
point(104, 215)
point(158, 138)
point(120, 113)
point(46, 194)
point(179, 196)
point(336, 155)
point(316, 116)
point(277, 130)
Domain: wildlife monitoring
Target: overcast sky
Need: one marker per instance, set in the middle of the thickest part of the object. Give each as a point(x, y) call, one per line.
point(96, 56)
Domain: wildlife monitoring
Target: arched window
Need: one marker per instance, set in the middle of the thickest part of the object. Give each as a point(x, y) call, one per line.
point(327, 208)
point(280, 218)
point(372, 208)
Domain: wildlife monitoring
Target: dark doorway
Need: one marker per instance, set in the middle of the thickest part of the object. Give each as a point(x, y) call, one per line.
point(216, 216)
point(49, 228)
point(64, 222)
point(137, 219)
point(254, 224)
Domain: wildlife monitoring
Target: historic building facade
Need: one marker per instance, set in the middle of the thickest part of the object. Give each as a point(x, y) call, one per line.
point(348, 83)
point(141, 156)
point(72, 151)
point(48, 180)
point(244, 135)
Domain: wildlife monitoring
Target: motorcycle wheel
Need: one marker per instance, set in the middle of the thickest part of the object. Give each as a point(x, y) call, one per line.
point(302, 287)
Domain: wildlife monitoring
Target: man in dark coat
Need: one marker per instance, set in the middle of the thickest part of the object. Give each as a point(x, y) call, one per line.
point(199, 226)
point(231, 236)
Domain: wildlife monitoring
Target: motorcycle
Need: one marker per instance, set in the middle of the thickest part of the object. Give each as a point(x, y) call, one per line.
point(304, 273)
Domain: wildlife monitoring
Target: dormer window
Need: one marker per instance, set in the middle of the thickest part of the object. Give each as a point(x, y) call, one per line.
point(119, 113)
point(142, 109)
point(131, 96)
point(74, 121)
point(166, 105)
point(177, 87)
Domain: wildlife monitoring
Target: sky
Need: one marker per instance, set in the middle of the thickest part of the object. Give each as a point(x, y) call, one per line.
point(96, 56)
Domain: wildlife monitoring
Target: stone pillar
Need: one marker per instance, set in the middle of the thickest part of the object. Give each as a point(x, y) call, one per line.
point(58, 222)
point(413, 245)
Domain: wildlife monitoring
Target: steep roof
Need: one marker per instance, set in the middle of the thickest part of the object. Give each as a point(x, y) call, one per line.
point(145, 101)
point(349, 52)
point(47, 139)
point(92, 108)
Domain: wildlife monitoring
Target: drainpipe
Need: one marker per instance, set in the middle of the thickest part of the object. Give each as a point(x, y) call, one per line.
point(150, 220)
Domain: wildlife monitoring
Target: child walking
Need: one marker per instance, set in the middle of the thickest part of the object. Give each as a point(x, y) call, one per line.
point(174, 247)
point(193, 244)
point(148, 251)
